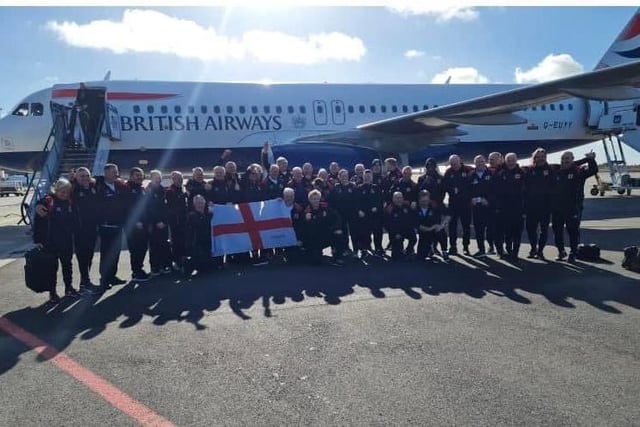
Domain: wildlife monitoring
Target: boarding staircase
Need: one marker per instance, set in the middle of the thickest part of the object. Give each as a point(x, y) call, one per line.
point(613, 121)
point(61, 155)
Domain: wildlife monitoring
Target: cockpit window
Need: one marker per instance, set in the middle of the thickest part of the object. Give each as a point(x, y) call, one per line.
point(36, 109)
point(21, 110)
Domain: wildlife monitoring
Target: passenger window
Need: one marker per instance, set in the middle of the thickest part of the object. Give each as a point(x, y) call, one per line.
point(278, 109)
point(164, 109)
point(266, 109)
point(570, 106)
point(534, 108)
point(338, 109)
point(303, 109)
point(544, 107)
point(242, 109)
point(203, 109)
point(553, 107)
point(561, 107)
point(361, 109)
point(383, 108)
point(21, 110)
point(229, 109)
point(372, 108)
point(36, 109)
point(150, 109)
point(254, 109)
point(290, 109)
point(192, 109)
point(435, 106)
point(319, 109)
point(415, 108)
point(216, 109)
point(351, 109)
point(405, 108)
point(136, 109)
point(177, 109)
point(425, 107)
point(394, 108)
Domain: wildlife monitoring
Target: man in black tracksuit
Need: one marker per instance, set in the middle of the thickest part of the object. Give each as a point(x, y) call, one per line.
point(54, 225)
point(159, 248)
point(369, 216)
point(319, 227)
point(509, 200)
point(112, 203)
point(196, 185)
point(431, 224)
point(177, 216)
point(272, 185)
point(567, 201)
point(457, 183)
point(400, 223)
point(482, 200)
point(432, 181)
point(85, 199)
point(343, 200)
point(198, 237)
point(136, 228)
point(538, 186)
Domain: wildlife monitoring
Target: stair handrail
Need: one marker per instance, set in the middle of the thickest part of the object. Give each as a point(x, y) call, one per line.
point(55, 147)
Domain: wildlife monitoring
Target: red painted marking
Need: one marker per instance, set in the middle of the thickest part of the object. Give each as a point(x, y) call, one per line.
point(116, 397)
point(114, 96)
point(251, 226)
point(631, 30)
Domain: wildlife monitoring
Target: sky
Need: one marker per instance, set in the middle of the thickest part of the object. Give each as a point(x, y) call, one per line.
point(409, 42)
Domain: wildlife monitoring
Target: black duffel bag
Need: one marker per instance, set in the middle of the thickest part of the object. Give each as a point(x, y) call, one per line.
point(631, 260)
point(40, 270)
point(590, 252)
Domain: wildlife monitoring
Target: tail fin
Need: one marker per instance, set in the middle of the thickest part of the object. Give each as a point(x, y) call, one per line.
point(626, 47)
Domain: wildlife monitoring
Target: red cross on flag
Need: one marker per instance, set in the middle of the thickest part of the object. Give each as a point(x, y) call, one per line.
point(251, 226)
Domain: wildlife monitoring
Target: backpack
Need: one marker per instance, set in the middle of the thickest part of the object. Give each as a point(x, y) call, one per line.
point(590, 252)
point(631, 260)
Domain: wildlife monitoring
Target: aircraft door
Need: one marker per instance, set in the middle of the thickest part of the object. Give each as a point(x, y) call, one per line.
point(112, 128)
point(320, 115)
point(337, 112)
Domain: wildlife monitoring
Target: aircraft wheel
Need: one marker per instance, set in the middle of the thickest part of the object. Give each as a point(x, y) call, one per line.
point(594, 191)
point(602, 194)
point(621, 191)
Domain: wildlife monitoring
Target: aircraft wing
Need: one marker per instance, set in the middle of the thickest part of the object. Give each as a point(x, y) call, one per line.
point(614, 83)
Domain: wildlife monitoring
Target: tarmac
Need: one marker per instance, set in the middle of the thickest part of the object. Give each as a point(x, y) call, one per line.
point(473, 342)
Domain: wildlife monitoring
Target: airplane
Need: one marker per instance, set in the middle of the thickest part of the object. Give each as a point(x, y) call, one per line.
point(179, 125)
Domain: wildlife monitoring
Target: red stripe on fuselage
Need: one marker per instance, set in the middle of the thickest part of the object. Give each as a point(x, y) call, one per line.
point(114, 96)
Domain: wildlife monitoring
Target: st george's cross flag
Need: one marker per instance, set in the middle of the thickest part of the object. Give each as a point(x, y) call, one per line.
point(250, 226)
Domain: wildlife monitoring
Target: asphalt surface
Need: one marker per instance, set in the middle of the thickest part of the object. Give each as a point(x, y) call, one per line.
point(470, 343)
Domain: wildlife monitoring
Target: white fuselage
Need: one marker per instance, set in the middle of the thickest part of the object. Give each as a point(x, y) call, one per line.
point(188, 115)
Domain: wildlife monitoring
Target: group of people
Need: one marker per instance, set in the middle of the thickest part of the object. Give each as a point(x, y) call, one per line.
point(346, 211)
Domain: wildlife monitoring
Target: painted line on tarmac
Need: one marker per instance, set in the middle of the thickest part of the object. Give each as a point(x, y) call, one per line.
point(114, 396)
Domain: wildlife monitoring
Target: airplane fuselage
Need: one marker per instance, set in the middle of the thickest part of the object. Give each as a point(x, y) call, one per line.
point(178, 125)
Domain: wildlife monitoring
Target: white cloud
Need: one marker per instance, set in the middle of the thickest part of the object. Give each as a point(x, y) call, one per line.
point(413, 53)
point(152, 31)
point(460, 75)
point(442, 11)
point(550, 68)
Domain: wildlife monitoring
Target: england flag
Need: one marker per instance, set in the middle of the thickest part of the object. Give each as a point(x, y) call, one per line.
point(251, 226)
